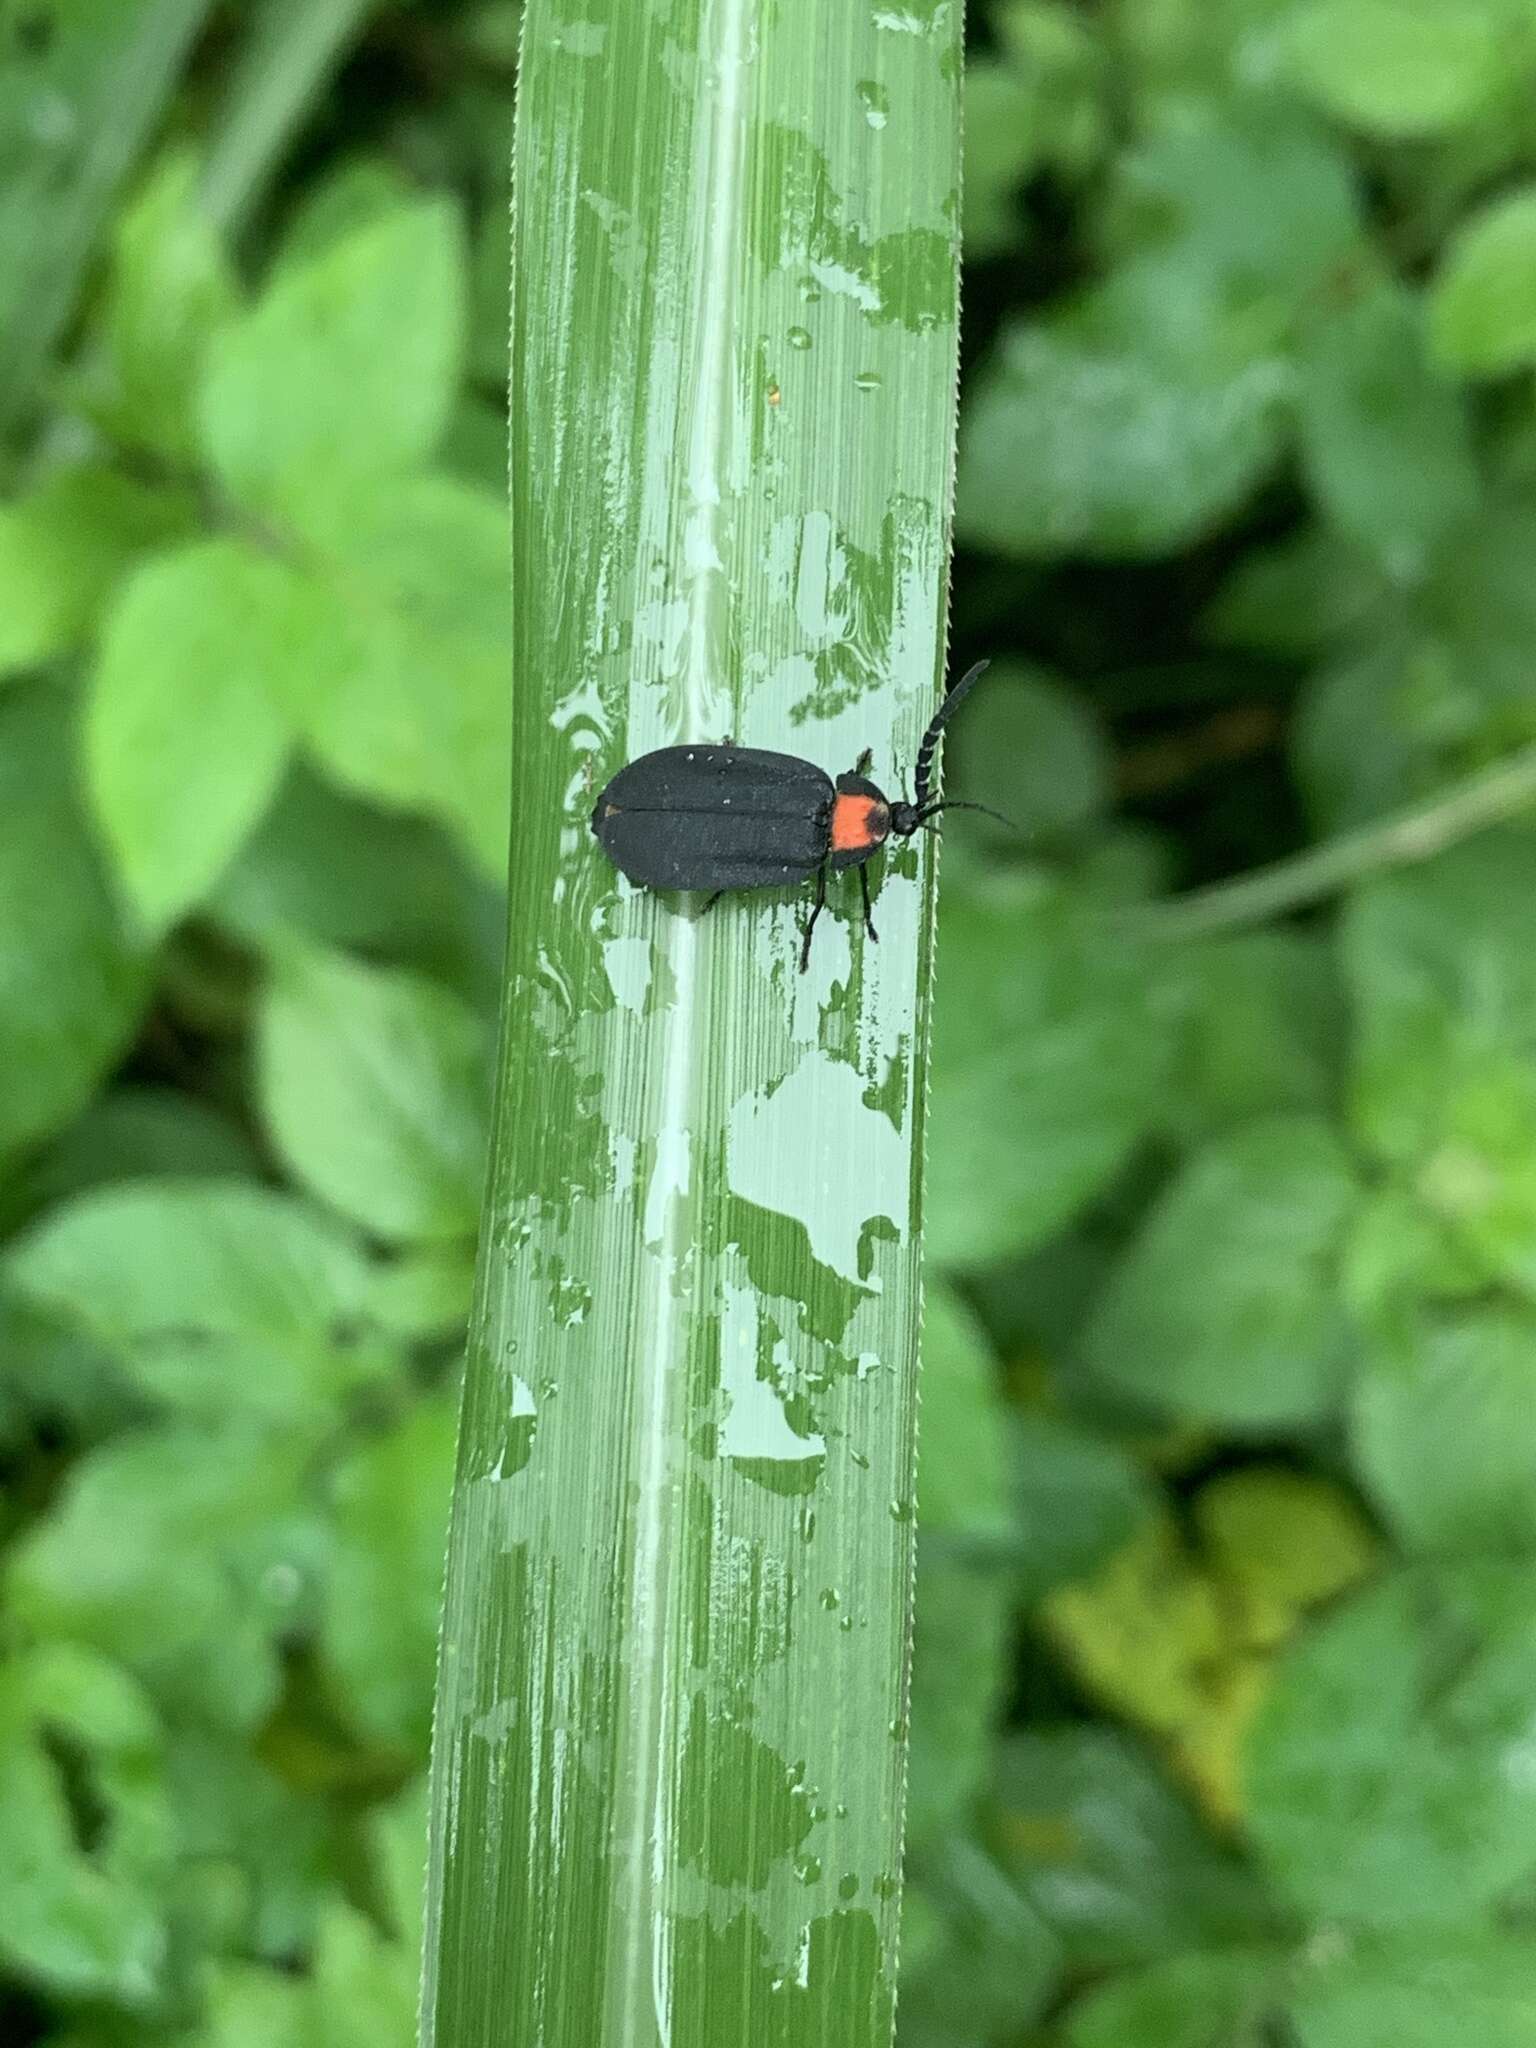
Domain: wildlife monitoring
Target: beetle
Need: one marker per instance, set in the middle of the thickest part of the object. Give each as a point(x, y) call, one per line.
point(729, 817)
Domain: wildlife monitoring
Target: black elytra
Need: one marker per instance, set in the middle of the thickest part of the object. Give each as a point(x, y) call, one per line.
point(729, 817)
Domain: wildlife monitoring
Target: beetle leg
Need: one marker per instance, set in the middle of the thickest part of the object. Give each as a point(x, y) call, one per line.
point(816, 910)
point(865, 762)
point(711, 901)
point(869, 922)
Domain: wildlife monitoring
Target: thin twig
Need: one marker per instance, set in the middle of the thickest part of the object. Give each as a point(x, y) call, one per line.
point(1397, 841)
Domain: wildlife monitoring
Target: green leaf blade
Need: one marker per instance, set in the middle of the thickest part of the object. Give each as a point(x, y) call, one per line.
point(692, 1368)
point(185, 737)
point(373, 1089)
point(345, 370)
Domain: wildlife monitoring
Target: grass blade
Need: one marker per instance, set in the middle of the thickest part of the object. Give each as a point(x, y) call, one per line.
point(670, 1734)
point(80, 88)
point(290, 49)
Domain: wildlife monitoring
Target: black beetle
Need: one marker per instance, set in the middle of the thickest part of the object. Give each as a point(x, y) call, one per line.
point(730, 817)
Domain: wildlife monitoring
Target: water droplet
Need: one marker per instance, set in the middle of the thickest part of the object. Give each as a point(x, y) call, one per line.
point(774, 394)
point(808, 1869)
point(799, 337)
point(829, 1598)
point(867, 380)
point(875, 101)
point(282, 1584)
point(53, 122)
point(901, 1511)
point(848, 1886)
point(810, 290)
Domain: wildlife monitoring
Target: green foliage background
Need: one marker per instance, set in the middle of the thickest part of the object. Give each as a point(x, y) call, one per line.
point(1226, 1663)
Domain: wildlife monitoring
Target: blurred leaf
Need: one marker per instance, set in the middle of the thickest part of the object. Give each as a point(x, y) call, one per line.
point(1384, 726)
point(1033, 750)
point(1082, 438)
point(375, 1087)
point(169, 291)
point(1398, 1256)
point(1061, 60)
point(1050, 1056)
point(416, 710)
point(64, 545)
point(1223, 1998)
point(248, 1379)
point(167, 1258)
point(1481, 602)
point(364, 1991)
point(346, 369)
point(1280, 1542)
point(991, 1963)
point(1116, 1861)
point(1244, 207)
point(963, 1597)
point(1385, 1778)
point(70, 984)
point(1130, 422)
point(361, 1993)
point(378, 1630)
point(1441, 1430)
point(186, 732)
point(82, 1902)
point(136, 1133)
point(357, 192)
point(1385, 442)
point(1483, 308)
point(52, 1378)
point(1150, 1633)
point(235, 1816)
point(1000, 146)
point(398, 1839)
point(426, 1293)
point(78, 95)
point(1404, 67)
point(344, 875)
point(961, 1640)
point(962, 1486)
point(249, 2007)
point(1444, 1990)
point(1445, 1042)
point(1260, 1031)
point(184, 1554)
point(1226, 1306)
point(1076, 1500)
point(1143, 1630)
point(1294, 597)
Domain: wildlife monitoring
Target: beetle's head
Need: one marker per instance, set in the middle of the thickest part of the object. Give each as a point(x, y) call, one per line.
point(906, 818)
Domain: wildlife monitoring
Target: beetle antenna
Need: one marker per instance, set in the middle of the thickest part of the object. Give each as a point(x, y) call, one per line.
point(958, 803)
point(940, 719)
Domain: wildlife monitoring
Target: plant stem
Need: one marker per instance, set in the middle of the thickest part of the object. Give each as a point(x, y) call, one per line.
point(1409, 835)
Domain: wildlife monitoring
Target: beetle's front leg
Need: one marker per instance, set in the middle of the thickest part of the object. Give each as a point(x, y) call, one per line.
point(869, 922)
point(816, 910)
